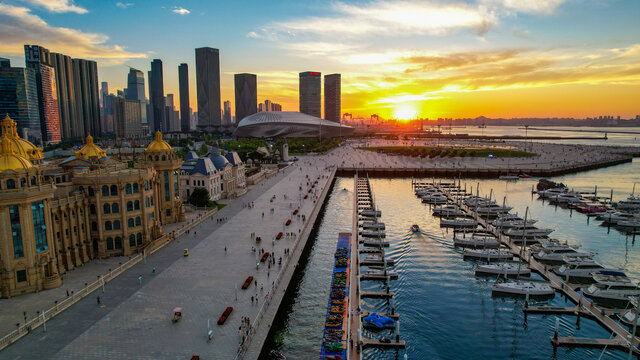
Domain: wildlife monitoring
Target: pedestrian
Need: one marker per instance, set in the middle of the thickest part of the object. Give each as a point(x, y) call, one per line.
point(140, 279)
point(225, 249)
point(67, 293)
point(98, 300)
point(256, 283)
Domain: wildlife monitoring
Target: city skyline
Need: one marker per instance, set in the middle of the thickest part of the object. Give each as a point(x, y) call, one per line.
point(493, 58)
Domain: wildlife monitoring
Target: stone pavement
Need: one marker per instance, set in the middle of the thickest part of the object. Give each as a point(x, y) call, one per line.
point(134, 320)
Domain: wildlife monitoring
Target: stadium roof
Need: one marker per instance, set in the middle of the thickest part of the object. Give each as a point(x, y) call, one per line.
point(289, 124)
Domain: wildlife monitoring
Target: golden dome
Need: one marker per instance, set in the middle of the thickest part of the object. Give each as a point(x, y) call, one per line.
point(90, 150)
point(21, 146)
point(158, 144)
point(8, 158)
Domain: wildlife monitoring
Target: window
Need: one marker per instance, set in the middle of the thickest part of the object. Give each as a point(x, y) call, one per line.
point(139, 239)
point(129, 205)
point(33, 181)
point(138, 221)
point(39, 228)
point(116, 225)
point(23, 182)
point(146, 185)
point(11, 184)
point(106, 209)
point(91, 192)
point(136, 188)
point(127, 189)
point(187, 181)
point(109, 243)
point(136, 205)
point(21, 275)
point(166, 186)
point(168, 212)
point(150, 216)
point(114, 190)
point(146, 202)
point(132, 240)
point(117, 243)
point(105, 190)
point(157, 158)
point(114, 208)
point(130, 222)
point(164, 158)
point(16, 231)
point(151, 198)
point(92, 209)
point(108, 226)
point(94, 226)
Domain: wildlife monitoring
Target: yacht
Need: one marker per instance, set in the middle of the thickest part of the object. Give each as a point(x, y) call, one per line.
point(614, 217)
point(435, 199)
point(448, 210)
point(506, 268)
point(509, 177)
point(580, 269)
point(612, 287)
point(512, 223)
point(522, 288)
point(631, 223)
point(381, 272)
point(373, 233)
point(630, 203)
point(526, 230)
point(370, 225)
point(590, 207)
point(492, 210)
point(458, 223)
point(548, 193)
point(566, 198)
point(629, 318)
point(476, 241)
point(488, 254)
point(370, 213)
point(557, 255)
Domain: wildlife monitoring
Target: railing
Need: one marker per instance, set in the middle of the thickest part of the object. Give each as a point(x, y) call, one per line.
point(261, 312)
point(60, 306)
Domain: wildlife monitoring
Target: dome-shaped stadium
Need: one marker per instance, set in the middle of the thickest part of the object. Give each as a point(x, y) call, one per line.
point(289, 124)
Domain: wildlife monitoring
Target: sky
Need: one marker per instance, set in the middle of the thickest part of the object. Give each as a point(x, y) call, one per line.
point(399, 59)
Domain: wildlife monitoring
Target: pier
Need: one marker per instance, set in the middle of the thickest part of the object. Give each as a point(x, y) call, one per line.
point(621, 337)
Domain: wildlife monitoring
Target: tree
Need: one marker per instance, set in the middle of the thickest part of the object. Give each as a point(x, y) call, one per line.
point(203, 150)
point(199, 197)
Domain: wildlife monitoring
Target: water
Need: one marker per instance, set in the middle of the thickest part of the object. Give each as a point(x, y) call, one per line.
point(446, 311)
point(614, 139)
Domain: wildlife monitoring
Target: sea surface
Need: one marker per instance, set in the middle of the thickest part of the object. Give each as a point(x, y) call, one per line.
point(446, 312)
point(616, 136)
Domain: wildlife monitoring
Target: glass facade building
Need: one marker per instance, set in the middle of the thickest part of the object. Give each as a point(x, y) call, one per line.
point(19, 99)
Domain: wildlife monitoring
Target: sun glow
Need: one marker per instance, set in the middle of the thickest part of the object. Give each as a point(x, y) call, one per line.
point(405, 112)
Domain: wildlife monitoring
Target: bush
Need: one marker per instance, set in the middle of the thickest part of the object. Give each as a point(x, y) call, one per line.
point(199, 197)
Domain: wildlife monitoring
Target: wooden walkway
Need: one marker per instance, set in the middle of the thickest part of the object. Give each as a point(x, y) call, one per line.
point(584, 306)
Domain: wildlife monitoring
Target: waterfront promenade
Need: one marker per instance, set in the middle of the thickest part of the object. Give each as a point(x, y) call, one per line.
point(134, 317)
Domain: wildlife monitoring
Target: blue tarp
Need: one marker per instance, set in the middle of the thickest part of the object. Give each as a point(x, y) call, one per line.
point(379, 321)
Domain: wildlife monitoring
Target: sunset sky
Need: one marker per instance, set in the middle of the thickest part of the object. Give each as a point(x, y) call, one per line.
point(404, 59)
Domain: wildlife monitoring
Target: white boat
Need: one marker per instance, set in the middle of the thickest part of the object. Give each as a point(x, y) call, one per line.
point(557, 256)
point(435, 199)
point(504, 268)
point(566, 198)
point(373, 233)
point(528, 230)
point(374, 242)
point(370, 213)
point(488, 254)
point(522, 288)
point(448, 210)
point(381, 272)
point(630, 317)
point(630, 203)
point(552, 192)
point(458, 223)
point(580, 269)
point(374, 258)
point(614, 217)
point(509, 177)
point(415, 228)
point(428, 191)
point(476, 242)
point(633, 223)
point(511, 223)
point(612, 287)
point(372, 225)
point(492, 210)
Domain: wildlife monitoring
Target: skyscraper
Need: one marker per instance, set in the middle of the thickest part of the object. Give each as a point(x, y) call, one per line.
point(85, 86)
point(19, 99)
point(310, 88)
point(227, 113)
point(332, 95)
point(127, 118)
point(38, 59)
point(70, 123)
point(135, 85)
point(156, 96)
point(208, 88)
point(246, 95)
point(183, 80)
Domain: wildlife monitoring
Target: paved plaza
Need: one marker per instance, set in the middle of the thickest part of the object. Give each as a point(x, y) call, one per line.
point(134, 319)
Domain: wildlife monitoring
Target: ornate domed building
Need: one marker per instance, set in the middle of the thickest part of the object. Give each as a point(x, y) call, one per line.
point(161, 156)
point(90, 150)
point(20, 146)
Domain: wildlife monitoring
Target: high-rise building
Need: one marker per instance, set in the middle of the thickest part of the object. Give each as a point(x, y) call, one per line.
point(172, 117)
point(208, 88)
point(85, 79)
point(183, 81)
point(310, 89)
point(267, 105)
point(19, 99)
point(332, 108)
point(227, 113)
point(156, 96)
point(128, 118)
point(38, 59)
point(135, 85)
point(70, 123)
point(260, 107)
point(246, 95)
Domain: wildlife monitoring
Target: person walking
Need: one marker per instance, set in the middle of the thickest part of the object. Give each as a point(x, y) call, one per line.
point(140, 279)
point(98, 300)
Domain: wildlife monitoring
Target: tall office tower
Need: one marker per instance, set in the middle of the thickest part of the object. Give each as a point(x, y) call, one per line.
point(104, 91)
point(310, 88)
point(38, 59)
point(227, 113)
point(185, 110)
point(85, 85)
point(260, 107)
point(268, 105)
point(135, 85)
point(208, 86)
point(172, 116)
point(62, 64)
point(156, 96)
point(127, 118)
point(332, 97)
point(246, 95)
point(19, 99)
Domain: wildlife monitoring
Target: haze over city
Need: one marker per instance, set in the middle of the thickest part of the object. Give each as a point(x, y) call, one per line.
point(398, 59)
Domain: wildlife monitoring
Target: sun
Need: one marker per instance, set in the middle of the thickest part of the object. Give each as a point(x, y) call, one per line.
point(405, 112)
